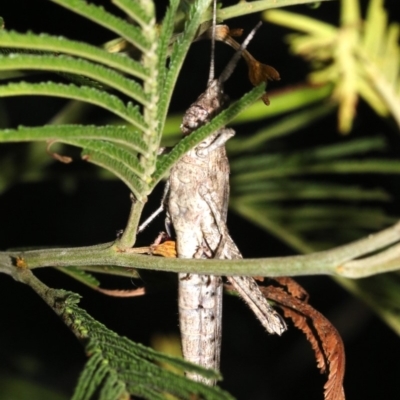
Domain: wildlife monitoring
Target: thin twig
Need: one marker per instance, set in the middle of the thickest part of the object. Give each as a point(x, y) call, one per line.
point(128, 238)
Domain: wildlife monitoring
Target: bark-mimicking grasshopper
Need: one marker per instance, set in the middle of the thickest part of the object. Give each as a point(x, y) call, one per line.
point(197, 208)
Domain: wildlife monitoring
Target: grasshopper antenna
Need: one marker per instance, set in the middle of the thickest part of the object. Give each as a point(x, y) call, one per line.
point(227, 72)
point(212, 61)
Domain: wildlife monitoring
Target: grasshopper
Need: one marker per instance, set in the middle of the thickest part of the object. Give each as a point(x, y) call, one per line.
point(197, 206)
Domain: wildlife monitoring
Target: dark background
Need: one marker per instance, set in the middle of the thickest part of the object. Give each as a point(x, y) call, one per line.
point(64, 211)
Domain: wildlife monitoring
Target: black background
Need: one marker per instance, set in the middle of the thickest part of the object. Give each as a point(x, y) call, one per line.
point(35, 345)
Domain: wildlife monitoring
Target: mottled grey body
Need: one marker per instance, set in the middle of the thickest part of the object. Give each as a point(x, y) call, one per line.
point(201, 176)
point(197, 208)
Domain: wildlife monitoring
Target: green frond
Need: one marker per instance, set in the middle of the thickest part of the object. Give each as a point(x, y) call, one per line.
point(135, 115)
point(318, 154)
point(350, 12)
point(242, 8)
point(167, 29)
point(282, 102)
point(97, 14)
point(114, 152)
point(310, 224)
point(381, 293)
point(283, 127)
point(371, 166)
point(64, 133)
point(136, 12)
point(317, 218)
point(118, 366)
point(369, 94)
point(151, 135)
point(358, 59)
point(75, 66)
point(200, 134)
point(82, 93)
point(374, 28)
point(289, 195)
point(392, 54)
point(43, 42)
point(179, 51)
point(287, 190)
point(301, 23)
point(119, 168)
point(304, 228)
point(380, 57)
point(111, 156)
point(112, 270)
point(80, 275)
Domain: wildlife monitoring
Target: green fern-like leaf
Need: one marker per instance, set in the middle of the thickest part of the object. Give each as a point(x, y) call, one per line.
point(179, 51)
point(64, 133)
point(359, 59)
point(116, 153)
point(136, 11)
point(165, 38)
point(11, 41)
point(118, 366)
point(382, 64)
point(285, 194)
point(87, 94)
point(381, 293)
point(81, 276)
point(119, 168)
point(97, 14)
point(106, 76)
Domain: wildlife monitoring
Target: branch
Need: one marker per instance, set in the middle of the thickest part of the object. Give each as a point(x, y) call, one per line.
point(340, 261)
point(128, 237)
point(250, 7)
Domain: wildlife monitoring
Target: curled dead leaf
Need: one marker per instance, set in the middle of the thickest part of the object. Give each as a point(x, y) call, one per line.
point(56, 156)
point(121, 292)
point(322, 335)
point(164, 249)
point(293, 288)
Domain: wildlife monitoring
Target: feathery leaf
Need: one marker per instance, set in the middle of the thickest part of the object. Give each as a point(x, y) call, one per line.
point(63, 133)
point(75, 66)
point(97, 14)
point(87, 94)
point(29, 41)
point(118, 366)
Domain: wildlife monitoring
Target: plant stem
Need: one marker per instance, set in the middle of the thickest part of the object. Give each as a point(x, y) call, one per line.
point(244, 8)
point(128, 237)
point(337, 262)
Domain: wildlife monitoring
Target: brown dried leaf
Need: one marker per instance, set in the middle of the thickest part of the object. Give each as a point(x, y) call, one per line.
point(165, 249)
point(20, 262)
point(162, 246)
point(56, 156)
point(324, 338)
point(258, 72)
point(236, 32)
point(293, 288)
point(121, 292)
